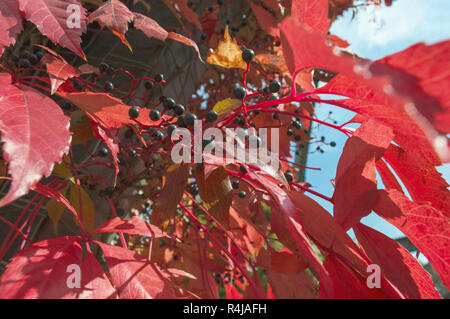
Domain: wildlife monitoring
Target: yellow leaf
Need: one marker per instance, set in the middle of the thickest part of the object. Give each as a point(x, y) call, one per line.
point(55, 210)
point(228, 54)
point(272, 63)
point(86, 207)
point(61, 170)
point(227, 105)
point(81, 128)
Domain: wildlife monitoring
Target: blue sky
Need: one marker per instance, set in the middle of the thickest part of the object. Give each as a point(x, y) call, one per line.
point(374, 33)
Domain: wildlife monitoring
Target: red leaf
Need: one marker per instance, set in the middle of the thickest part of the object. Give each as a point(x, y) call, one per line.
point(388, 178)
point(58, 70)
point(396, 263)
point(112, 139)
point(114, 15)
point(314, 53)
point(411, 82)
point(388, 81)
point(173, 187)
point(266, 21)
point(422, 180)
point(347, 283)
point(35, 133)
point(408, 134)
point(133, 276)
point(337, 41)
point(424, 226)
point(356, 187)
point(282, 261)
point(134, 226)
point(313, 13)
point(284, 212)
point(41, 271)
point(150, 27)
point(292, 286)
point(51, 16)
point(50, 192)
point(331, 238)
point(10, 23)
point(187, 41)
point(427, 81)
point(109, 111)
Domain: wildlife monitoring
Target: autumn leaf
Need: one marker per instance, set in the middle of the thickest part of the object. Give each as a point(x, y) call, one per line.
point(35, 133)
point(135, 226)
point(184, 40)
point(228, 54)
point(173, 186)
point(312, 13)
point(58, 70)
point(40, 271)
point(150, 27)
point(356, 186)
point(226, 106)
point(115, 16)
point(421, 179)
point(55, 211)
point(347, 283)
point(424, 226)
point(133, 276)
point(216, 193)
point(111, 139)
point(10, 23)
point(83, 205)
point(396, 263)
point(109, 111)
point(52, 21)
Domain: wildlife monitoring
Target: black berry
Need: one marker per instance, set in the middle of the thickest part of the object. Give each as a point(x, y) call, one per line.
point(274, 86)
point(169, 103)
point(108, 86)
point(159, 77)
point(242, 194)
point(189, 119)
point(148, 85)
point(236, 184)
point(211, 116)
point(103, 67)
point(179, 109)
point(297, 124)
point(239, 93)
point(132, 153)
point(289, 176)
point(103, 151)
point(158, 135)
point(248, 55)
point(155, 115)
point(170, 129)
point(193, 190)
point(243, 169)
point(133, 112)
